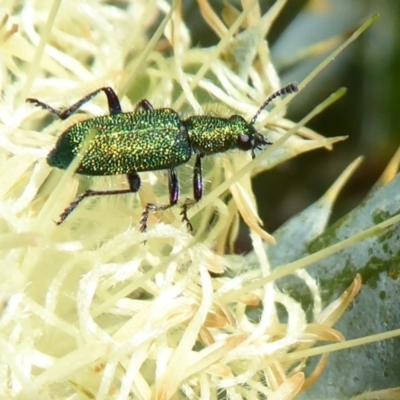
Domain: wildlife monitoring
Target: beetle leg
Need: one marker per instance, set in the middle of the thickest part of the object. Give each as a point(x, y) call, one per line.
point(112, 100)
point(198, 178)
point(134, 185)
point(144, 105)
point(197, 190)
point(173, 187)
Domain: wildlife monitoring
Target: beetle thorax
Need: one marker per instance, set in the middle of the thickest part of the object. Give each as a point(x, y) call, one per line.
point(211, 135)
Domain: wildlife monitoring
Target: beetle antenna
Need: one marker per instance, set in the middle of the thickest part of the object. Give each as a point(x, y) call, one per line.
point(291, 88)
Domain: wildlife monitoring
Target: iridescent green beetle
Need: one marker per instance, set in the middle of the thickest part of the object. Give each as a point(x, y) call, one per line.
point(150, 139)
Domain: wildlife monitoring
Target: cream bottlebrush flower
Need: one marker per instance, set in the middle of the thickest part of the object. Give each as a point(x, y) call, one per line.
point(93, 308)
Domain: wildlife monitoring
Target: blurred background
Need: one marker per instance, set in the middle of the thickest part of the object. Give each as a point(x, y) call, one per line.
point(369, 113)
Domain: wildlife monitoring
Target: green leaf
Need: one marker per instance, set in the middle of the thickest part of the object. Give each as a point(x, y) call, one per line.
point(375, 310)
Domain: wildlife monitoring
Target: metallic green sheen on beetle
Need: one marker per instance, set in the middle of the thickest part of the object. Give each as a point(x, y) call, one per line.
point(115, 150)
point(150, 139)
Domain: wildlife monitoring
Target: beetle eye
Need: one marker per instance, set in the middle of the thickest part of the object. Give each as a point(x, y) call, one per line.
point(243, 138)
point(244, 142)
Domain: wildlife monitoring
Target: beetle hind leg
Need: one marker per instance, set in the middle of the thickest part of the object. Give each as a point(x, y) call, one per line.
point(134, 185)
point(112, 101)
point(144, 105)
